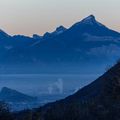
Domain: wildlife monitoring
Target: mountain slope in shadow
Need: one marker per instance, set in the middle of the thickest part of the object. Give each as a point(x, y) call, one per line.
point(98, 101)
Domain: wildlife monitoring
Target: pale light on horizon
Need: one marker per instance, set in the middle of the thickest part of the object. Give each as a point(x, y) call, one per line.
point(39, 16)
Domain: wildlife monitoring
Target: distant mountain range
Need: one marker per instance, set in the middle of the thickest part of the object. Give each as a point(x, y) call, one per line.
point(86, 42)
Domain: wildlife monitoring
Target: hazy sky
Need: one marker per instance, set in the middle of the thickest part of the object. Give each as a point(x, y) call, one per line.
point(38, 16)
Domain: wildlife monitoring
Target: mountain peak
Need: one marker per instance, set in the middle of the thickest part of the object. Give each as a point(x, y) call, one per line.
point(90, 17)
point(58, 31)
point(60, 28)
point(89, 20)
point(6, 90)
point(12, 95)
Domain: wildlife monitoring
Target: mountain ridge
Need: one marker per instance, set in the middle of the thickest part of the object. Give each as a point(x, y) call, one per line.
point(88, 20)
point(87, 41)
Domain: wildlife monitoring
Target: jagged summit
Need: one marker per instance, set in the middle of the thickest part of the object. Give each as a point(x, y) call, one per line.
point(57, 45)
point(90, 17)
point(90, 20)
point(60, 29)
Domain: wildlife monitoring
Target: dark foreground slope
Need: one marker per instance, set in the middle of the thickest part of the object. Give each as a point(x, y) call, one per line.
point(98, 101)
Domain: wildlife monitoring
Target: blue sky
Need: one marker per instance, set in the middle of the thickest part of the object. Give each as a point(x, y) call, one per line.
point(38, 16)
